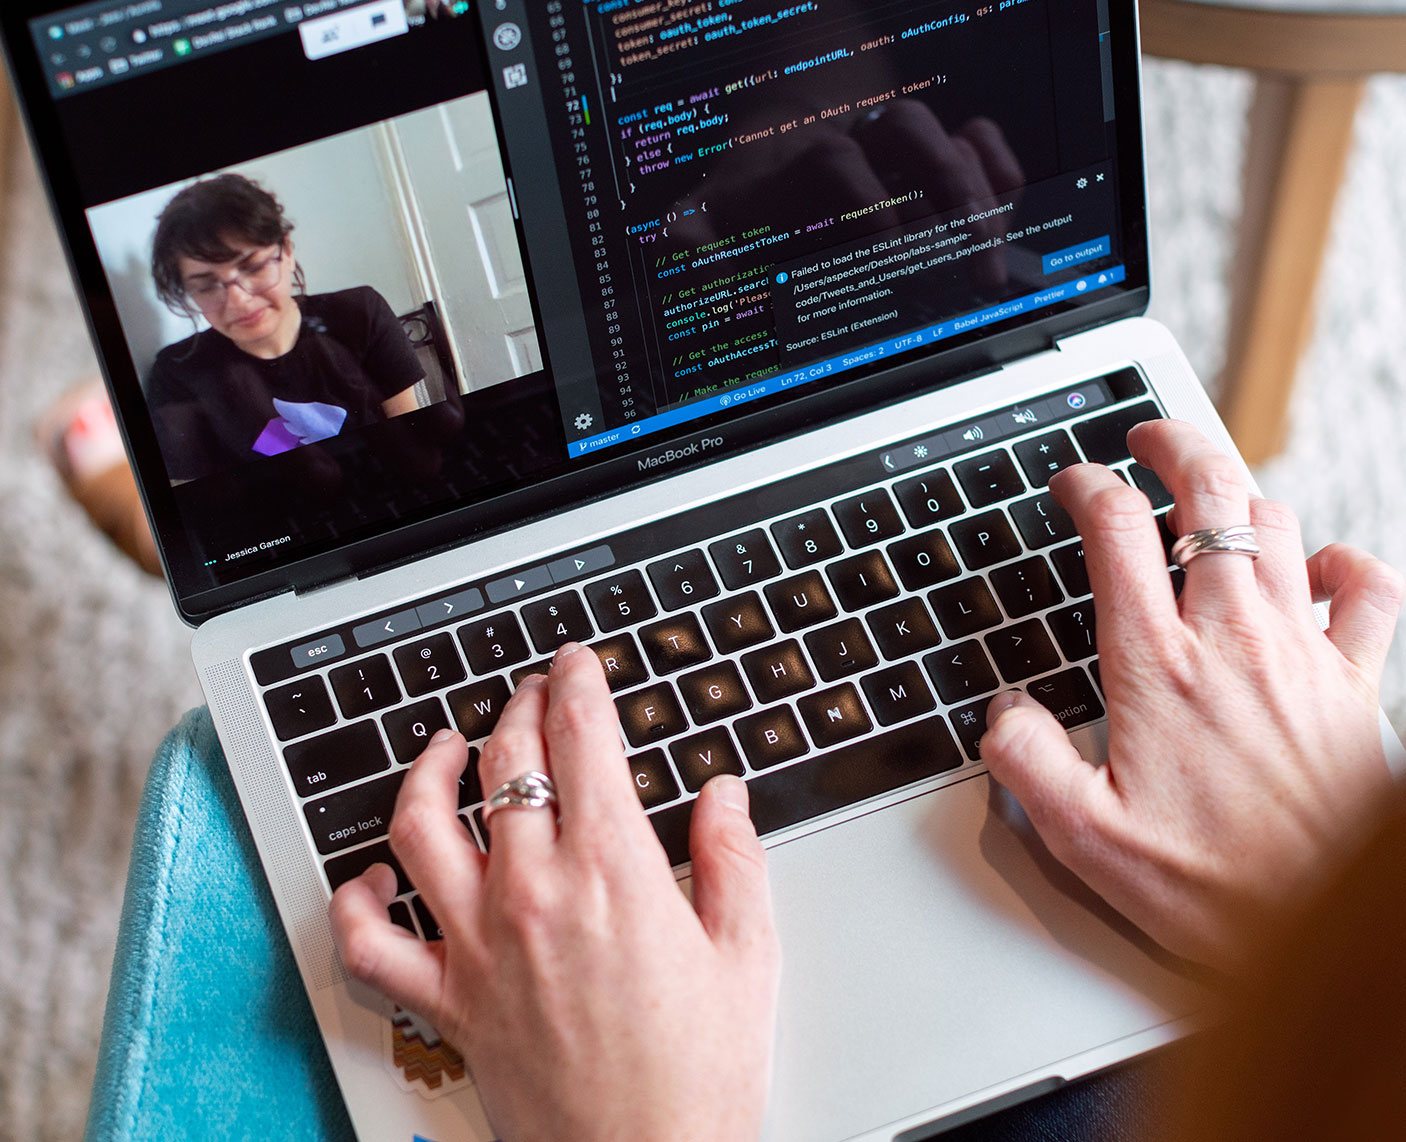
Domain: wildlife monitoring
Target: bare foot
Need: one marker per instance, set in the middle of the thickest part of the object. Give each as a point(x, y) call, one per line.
point(79, 435)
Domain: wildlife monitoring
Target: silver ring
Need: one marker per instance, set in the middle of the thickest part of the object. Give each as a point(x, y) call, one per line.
point(1238, 540)
point(533, 790)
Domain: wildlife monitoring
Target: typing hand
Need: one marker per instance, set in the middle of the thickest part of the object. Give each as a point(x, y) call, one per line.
point(1243, 742)
point(591, 999)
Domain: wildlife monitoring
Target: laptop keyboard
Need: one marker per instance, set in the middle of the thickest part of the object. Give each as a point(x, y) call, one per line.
point(828, 655)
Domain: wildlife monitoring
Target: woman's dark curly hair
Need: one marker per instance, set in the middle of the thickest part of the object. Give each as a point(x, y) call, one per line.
point(196, 223)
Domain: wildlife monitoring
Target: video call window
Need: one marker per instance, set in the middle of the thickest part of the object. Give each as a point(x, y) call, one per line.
point(288, 300)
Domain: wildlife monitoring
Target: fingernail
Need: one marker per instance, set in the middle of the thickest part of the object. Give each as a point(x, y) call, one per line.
point(567, 651)
point(1005, 701)
point(731, 791)
point(443, 736)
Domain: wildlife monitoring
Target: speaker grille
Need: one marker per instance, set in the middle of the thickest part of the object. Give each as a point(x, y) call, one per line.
point(275, 822)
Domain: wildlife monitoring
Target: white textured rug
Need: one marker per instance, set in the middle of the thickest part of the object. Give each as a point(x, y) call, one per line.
point(93, 663)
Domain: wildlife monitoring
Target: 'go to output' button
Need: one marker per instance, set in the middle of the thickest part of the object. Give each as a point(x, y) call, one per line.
point(1074, 255)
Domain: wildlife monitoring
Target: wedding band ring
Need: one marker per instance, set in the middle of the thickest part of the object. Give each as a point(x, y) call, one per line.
point(533, 790)
point(1238, 540)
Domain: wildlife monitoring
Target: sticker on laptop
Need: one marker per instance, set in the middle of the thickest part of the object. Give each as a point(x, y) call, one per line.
point(420, 1060)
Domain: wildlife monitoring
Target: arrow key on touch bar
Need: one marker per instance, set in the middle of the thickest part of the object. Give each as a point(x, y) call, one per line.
point(586, 563)
point(383, 630)
point(515, 586)
point(464, 603)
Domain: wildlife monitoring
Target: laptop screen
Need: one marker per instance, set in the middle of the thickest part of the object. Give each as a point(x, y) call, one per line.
point(366, 275)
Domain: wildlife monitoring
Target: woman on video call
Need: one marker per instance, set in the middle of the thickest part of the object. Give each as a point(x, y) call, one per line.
point(278, 367)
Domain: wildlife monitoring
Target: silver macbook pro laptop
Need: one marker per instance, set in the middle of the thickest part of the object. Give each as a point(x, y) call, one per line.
point(735, 338)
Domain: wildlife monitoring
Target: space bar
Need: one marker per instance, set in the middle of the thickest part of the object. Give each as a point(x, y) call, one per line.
point(822, 784)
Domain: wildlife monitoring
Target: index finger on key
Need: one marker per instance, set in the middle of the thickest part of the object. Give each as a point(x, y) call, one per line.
point(1210, 491)
point(582, 730)
point(1122, 553)
point(426, 834)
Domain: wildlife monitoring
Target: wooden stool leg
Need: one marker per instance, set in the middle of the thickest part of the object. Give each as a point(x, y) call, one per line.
point(1299, 139)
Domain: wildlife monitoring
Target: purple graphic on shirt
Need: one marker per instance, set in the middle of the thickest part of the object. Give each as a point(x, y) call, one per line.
point(298, 424)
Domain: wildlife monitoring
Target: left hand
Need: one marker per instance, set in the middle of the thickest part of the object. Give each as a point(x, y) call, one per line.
point(591, 999)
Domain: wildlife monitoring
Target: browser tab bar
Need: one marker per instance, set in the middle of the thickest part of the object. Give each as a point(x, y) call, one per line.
point(105, 43)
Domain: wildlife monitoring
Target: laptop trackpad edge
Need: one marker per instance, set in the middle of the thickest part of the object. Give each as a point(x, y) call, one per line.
point(936, 950)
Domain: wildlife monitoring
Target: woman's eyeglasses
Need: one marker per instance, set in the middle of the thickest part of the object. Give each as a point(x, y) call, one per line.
point(209, 293)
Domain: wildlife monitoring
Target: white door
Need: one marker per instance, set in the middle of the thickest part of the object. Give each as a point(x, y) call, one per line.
point(462, 227)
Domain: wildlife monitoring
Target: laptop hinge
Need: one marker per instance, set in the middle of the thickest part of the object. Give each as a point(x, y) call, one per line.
point(1052, 349)
point(302, 589)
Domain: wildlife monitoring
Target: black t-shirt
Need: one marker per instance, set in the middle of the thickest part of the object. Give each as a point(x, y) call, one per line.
point(215, 406)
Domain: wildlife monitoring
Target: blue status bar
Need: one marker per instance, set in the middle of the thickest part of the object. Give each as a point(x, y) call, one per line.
point(748, 392)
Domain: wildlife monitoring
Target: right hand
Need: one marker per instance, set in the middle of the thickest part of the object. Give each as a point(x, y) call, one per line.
point(1244, 743)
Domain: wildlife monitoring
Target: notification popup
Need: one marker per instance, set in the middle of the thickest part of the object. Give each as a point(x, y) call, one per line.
point(934, 270)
